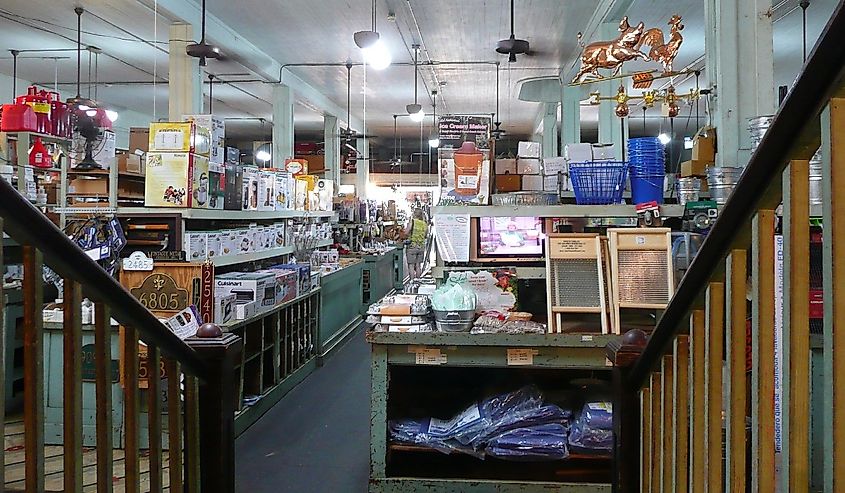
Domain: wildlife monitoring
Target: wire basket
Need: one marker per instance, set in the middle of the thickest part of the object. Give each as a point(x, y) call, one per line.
point(598, 182)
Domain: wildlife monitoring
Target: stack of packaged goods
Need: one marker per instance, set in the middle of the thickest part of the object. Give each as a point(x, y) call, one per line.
point(528, 166)
point(177, 172)
point(555, 174)
point(401, 313)
point(592, 432)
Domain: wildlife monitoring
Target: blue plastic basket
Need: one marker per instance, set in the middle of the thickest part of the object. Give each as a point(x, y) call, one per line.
point(599, 182)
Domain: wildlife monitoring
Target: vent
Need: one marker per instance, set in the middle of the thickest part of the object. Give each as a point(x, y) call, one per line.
point(575, 278)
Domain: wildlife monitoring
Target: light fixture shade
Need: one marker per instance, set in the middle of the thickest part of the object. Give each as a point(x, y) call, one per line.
point(263, 153)
point(418, 116)
point(413, 108)
point(377, 56)
point(365, 39)
point(112, 115)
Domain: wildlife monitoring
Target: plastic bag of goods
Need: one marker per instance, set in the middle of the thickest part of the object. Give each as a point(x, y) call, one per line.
point(455, 294)
point(528, 417)
point(546, 442)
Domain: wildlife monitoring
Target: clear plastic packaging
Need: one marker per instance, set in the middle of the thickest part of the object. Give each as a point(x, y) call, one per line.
point(455, 294)
point(533, 416)
point(401, 305)
point(546, 442)
point(512, 327)
point(592, 432)
point(598, 415)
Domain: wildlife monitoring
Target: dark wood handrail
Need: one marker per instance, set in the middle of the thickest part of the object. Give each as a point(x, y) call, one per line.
point(795, 131)
point(28, 226)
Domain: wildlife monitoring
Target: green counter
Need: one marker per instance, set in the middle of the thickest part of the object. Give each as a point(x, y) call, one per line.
point(342, 297)
point(382, 274)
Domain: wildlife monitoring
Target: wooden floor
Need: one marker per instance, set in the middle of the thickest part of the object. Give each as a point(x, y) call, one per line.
point(54, 462)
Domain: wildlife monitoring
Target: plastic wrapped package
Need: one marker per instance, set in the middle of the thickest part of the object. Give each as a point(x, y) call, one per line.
point(512, 327)
point(401, 305)
point(490, 320)
point(455, 294)
point(426, 327)
point(546, 442)
point(494, 409)
point(598, 415)
point(534, 416)
point(583, 438)
point(428, 432)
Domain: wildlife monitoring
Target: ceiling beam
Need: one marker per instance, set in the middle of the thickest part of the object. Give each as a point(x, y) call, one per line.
point(236, 47)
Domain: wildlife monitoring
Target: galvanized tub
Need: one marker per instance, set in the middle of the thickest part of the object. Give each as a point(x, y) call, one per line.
point(688, 189)
point(721, 182)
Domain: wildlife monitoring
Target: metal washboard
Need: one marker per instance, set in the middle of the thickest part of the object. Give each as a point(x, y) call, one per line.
point(641, 269)
point(575, 278)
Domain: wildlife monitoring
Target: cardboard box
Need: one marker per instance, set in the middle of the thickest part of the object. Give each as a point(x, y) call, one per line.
point(129, 163)
point(304, 273)
point(139, 139)
point(179, 137)
point(508, 183)
point(259, 287)
point(586, 152)
point(278, 235)
point(176, 180)
point(224, 308)
point(250, 188)
point(246, 310)
point(233, 155)
point(325, 196)
point(695, 168)
point(528, 166)
point(550, 183)
point(89, 185)
point(554, 165)
point(284, 189)
point(213, 245)
point(266, 190)
point(233, 196)
point(216, 129)
point(196, 245)
point(287, 284)
point(532, 183)
point(217, 186)
point(505, 166)
point(704, 145)
point(529, 149)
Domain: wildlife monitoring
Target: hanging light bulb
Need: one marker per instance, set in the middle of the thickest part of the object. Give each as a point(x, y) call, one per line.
point(416, 116)
point(112, 115)
point(377, 55)
point(91, 112)
point(664, 138)
point(434, 142)
point(415, 110)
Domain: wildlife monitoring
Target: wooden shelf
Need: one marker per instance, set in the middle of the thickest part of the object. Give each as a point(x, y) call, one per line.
point(403, 447)
point(223, 215)
point(570, 210)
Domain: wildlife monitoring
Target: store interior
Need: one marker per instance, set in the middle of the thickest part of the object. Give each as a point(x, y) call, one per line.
point(475, 236)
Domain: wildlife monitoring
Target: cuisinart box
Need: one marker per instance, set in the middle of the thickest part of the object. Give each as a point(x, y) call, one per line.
point(250, 188)
point(176, 179)
point(287, 284)
point(304, 270)
point(247, 287)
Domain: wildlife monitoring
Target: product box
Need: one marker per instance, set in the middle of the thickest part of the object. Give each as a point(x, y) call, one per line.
point(250, 188)
point(89, 186)
point(176, 180)
point(196, 245)
point(704, 145)
point(216, 186)
point(505, 166)
point(529, 149)
point(315, 279)
point(284, 191)
point(179, 137)
point(213, 245)
point(585, 152)
point(278, 235)
point(287, 284)
point(304, 271)
point(233, 199)
point(224, 308)
point(259, 287)
point(695, 168)
point(508, 183)
point(550, 183)
point(241, 241)
point(226, 243)
point(129, 163)
point(266, 190)
point(296, 167)
point(216, 129)
point(246, 310)
point(532, 183)
point(233, 155)
point(527, 166)
point(139, 139)
point(301, 195)
point(465, 175)
point(554, 165)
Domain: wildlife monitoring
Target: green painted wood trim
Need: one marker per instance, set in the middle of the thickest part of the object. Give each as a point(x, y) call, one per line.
point(339, 336)
point(510, 340)
point(493, 357)
point(378, 413)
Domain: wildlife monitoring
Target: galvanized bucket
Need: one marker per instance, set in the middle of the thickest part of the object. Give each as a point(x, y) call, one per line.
point(688, 190)
point(721, 182)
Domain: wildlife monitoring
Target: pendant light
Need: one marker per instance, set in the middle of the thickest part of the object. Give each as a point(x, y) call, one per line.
point(395, 160)
point(78, 102)
point(375, 52)
point(415, 111)
point(202, 50)
point(434, 138)
point(497, 132)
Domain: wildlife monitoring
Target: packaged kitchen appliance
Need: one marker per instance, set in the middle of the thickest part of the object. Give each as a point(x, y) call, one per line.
point(179, 137)
point(176, 180)
point(465, 175)
point(247, 287)
point(215, 127)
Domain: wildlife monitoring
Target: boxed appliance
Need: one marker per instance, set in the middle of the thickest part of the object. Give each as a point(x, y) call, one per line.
point(287, 284)
point(216, 186)
point(315, 279)
point(233, 155)
point(554, 165)
point(550, 183)
point(242, 241)
point(325, 195)
point(285, 189)
point(304, 275)
point(508, 183)
point(532, 183)
point(586, 152)
point(505, 166)
point(695, 168)
point(259, 287)
point(89, 185)
point(527, 166)
point(216, 128)
point(250, 188)
point(213, 245)
point(529, 149)
point(176, 180)
point(139, 139)
point(196, 245)
point(246, 310)
point(129, 163)
point(266, 190)
point(234, 190)
point(179, 137)
point(278, 235)
point(224, 308)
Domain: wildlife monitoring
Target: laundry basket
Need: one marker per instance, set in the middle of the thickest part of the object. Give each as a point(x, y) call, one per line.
point(598, 182)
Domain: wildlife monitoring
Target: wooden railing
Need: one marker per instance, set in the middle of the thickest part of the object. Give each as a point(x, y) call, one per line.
point(670, 399)
point(199, 413)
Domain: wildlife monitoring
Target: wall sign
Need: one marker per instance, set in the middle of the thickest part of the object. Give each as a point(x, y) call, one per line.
point(160, 292)
point(89, 368)
point(138, 261)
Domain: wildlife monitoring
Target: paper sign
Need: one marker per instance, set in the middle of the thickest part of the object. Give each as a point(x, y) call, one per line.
point(452, 234)
point(521, 357)
point(138, 261)
point(586, 338)
point(185, 323)
point(426, 356)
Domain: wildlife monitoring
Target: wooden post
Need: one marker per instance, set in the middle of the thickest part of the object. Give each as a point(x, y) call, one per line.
point(217, 411)
point(715, 330)
point(680, 452)
point(626, 418)
point(698, 472)
point(33, 365)
point(738, 400)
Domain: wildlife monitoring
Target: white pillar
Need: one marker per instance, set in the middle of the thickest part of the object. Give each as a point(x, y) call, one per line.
point(362, 175)
point(550, 137)
point(610, 125)
point(570, 116)
point(331, 145)
point(741, 57)
point(283, 100)
point(184, 82)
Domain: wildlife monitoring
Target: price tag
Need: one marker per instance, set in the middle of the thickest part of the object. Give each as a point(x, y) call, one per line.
point(521, 357)
point(425, 356)
point(586, 338)
point(138, 261)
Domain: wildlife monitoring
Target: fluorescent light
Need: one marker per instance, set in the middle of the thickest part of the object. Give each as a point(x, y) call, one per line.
point(418, 116)
point(263, 155)
point(112, 115)
point(664, 139)
point(434, 142)
point(687, 142)
point(377, 55)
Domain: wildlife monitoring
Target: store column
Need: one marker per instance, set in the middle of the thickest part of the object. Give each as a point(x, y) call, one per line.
point(331, 146)
point(570, 116)
point(362, 174)
point(184, 81)
point(283, 100)
point(738, 44)
point(550, 138)
point(612, 129)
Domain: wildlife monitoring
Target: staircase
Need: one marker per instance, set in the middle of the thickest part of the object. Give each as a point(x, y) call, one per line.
point(198, 417)
point(674, 434)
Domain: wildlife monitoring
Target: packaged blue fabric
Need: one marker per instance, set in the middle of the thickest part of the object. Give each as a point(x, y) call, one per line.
point(588, 440)
point(535, 443)
point(544, 414)
point(475, 419)
point(598, 415)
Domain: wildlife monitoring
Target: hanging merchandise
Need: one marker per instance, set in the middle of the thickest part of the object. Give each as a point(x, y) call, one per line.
point(39, 157)
point(39, 101)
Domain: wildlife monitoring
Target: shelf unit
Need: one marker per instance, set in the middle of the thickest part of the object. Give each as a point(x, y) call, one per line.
point(223, 215)
point(570, 210)
point(255, 256)
point(440, 272)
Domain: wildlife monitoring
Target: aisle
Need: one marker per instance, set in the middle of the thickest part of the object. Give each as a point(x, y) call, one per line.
point(316, 439)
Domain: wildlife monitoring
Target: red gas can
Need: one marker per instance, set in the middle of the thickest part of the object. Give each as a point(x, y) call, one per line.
point(40, 103)
point(18, 118)
point(60, 116)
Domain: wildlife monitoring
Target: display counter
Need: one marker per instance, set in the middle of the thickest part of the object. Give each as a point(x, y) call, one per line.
point(411, 372)
point(382, 274)
point(340, 310)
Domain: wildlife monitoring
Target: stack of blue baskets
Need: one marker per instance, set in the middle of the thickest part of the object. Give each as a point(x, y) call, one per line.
point(646, 165)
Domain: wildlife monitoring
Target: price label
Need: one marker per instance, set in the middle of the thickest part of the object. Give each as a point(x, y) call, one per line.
point(521, 357)
point(138, 261)
point(425, 356)
point(586, 338)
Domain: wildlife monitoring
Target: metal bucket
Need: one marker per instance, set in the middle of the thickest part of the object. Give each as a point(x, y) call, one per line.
point(688, 190)
point(757, 127)
point(721, 182)
point(454, 321)
point(816, 178)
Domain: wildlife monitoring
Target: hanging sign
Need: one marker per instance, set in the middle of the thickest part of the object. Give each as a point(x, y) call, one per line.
point(452, 234)
point(455, 130)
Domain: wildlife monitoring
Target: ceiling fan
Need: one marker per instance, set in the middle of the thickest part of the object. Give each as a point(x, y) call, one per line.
point(347, 134)
point(512, 46)
point(202, 50)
